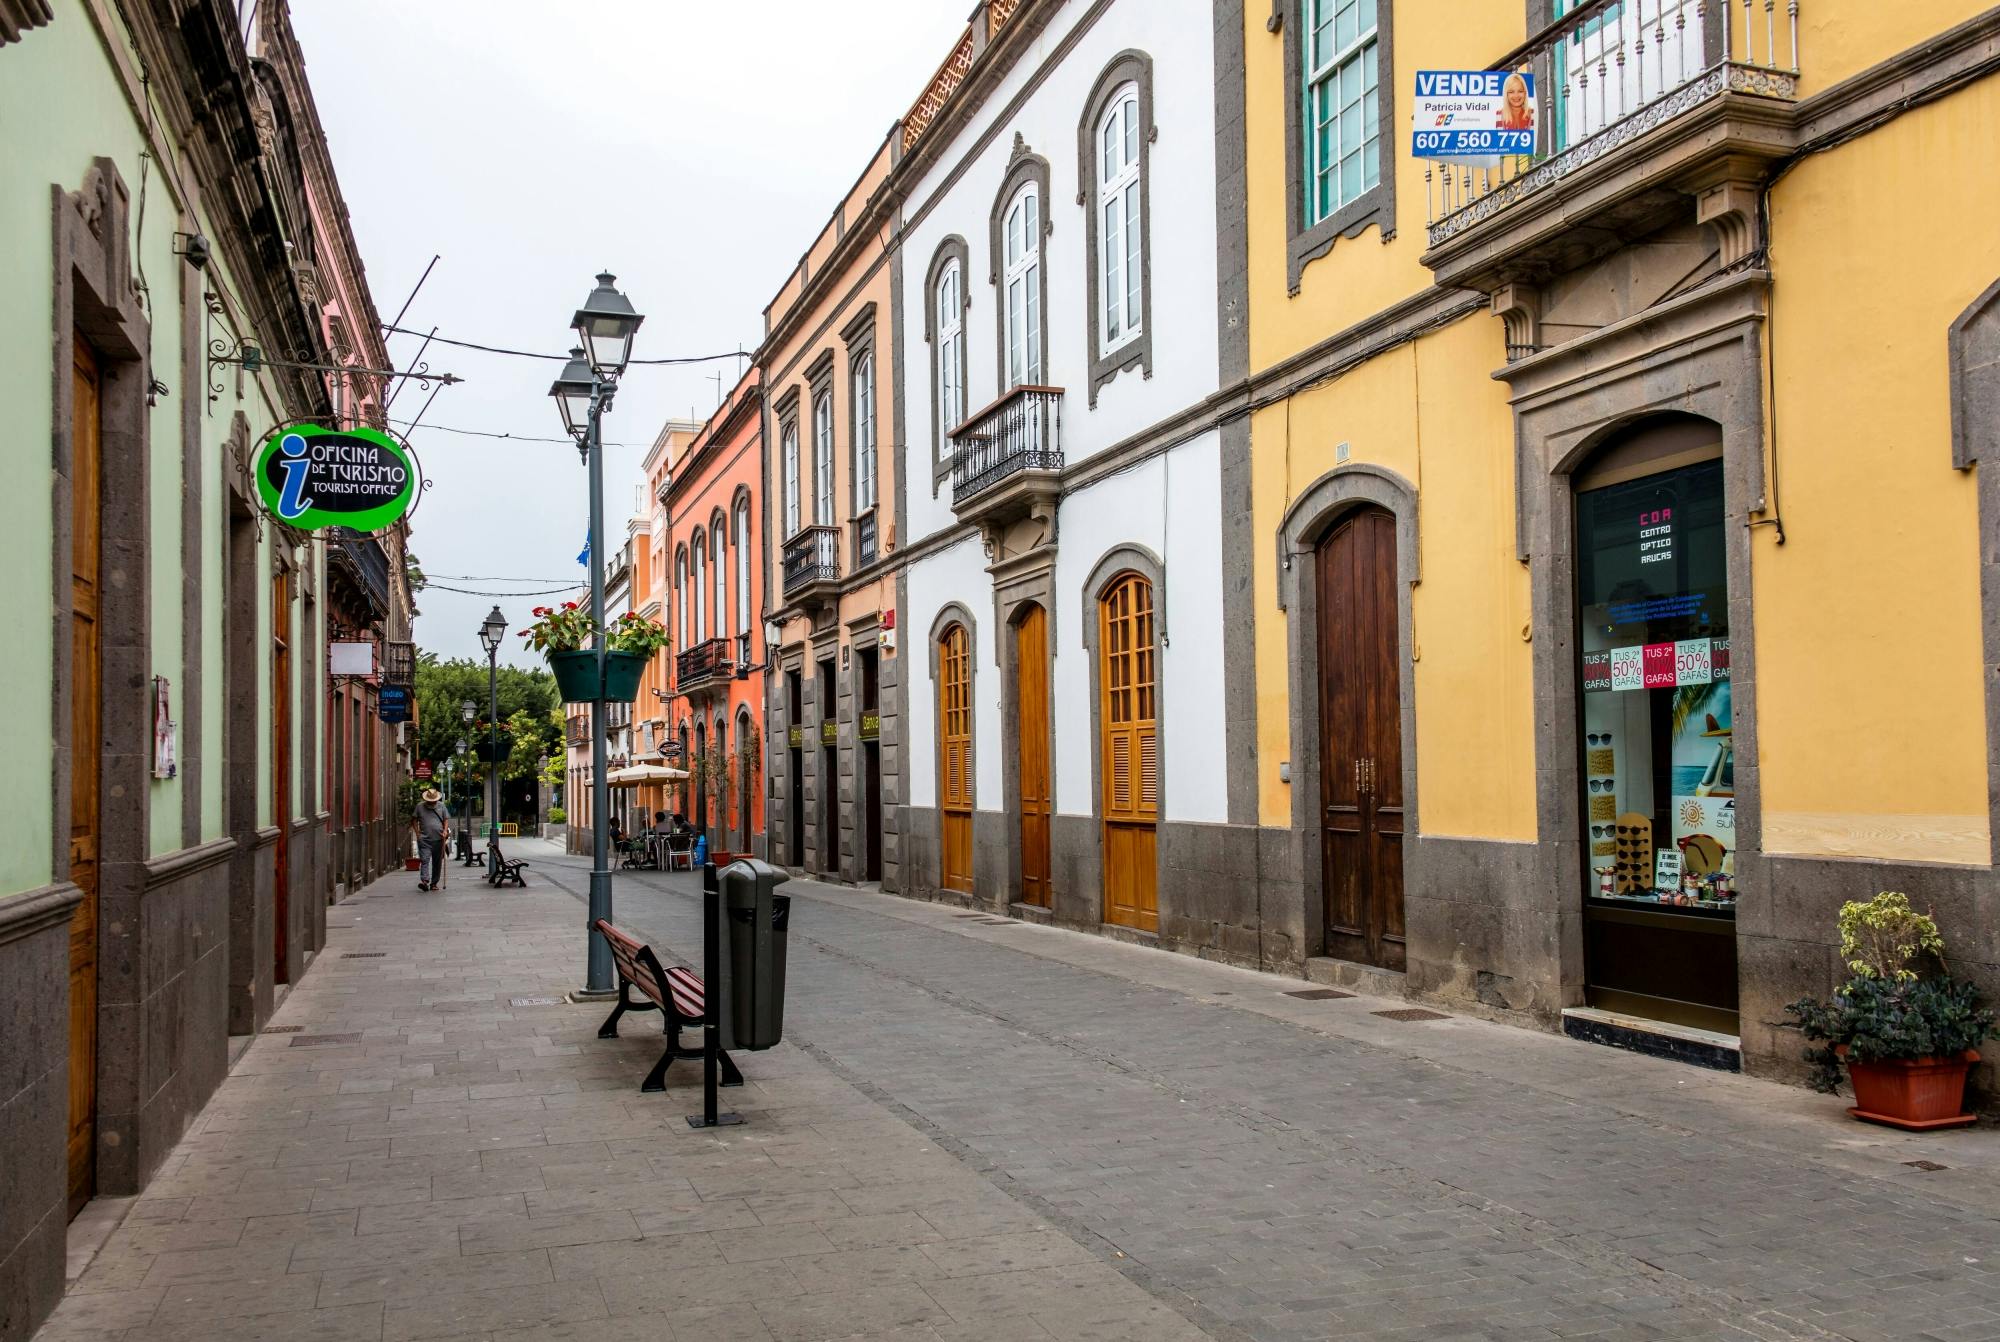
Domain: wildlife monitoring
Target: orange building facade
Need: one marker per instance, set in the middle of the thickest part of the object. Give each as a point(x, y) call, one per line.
point(831, 419)
point(707, 489)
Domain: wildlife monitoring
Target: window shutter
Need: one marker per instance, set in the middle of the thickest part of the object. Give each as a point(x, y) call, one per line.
point(1149, 770)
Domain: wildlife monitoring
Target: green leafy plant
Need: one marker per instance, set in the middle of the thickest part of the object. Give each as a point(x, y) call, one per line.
point(1900, 1004)
point(557, 815)
point(1883, 937)
point(564, 628)
point(1880, 1019)
point(634, 633)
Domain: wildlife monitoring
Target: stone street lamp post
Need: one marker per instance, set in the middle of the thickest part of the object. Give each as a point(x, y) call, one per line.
point(490, 634)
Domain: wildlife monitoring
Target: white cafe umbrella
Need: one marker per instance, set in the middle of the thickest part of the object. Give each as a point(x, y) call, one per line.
point(644, 773)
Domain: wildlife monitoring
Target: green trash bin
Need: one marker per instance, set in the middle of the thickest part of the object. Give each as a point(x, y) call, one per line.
point(755, 993)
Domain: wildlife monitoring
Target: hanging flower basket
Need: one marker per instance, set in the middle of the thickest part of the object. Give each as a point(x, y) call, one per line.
point(483, 748)
point(576, 676)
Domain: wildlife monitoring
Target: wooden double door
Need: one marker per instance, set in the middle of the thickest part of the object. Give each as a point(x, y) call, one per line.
point(1361, 741)
point(955, 788)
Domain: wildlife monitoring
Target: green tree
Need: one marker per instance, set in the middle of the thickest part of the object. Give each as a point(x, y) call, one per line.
point(530, 710)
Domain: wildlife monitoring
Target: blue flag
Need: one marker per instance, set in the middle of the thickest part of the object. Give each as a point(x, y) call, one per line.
point(584, 558)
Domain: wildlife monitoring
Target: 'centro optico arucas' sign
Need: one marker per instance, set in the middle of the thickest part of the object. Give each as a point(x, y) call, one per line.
point(310, 476)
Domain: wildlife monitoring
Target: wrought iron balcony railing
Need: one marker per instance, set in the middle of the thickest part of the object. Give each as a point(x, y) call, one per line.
point(865, 552)
point(1022, 431)
point(713, 659)
point(1607, 73)
point(811, 557)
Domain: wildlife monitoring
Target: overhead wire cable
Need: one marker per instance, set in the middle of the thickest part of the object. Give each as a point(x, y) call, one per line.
point(392, 329)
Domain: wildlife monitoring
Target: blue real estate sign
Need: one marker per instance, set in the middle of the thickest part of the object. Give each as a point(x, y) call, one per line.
point(392, 703)
point(1474, 114)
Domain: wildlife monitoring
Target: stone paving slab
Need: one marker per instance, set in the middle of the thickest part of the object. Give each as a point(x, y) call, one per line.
point(454, 1167)
point(1267, 1167)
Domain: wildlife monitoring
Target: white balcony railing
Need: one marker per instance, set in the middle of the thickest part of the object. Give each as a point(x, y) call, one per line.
point(1608, 72)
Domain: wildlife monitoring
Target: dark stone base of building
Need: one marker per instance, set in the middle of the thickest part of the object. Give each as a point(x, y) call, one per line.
point(34, 1104)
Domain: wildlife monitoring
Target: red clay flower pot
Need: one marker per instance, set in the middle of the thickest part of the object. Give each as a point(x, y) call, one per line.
point(1916, 1094)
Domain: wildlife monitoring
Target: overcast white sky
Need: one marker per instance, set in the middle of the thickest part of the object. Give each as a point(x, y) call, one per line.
point(694, 149)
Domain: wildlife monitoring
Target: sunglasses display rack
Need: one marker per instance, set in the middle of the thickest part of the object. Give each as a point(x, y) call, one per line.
point(1633, 874)
point(1601, 783)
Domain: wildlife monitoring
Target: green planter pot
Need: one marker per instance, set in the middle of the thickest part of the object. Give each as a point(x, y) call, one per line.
point(576, 676)
point(482, 750)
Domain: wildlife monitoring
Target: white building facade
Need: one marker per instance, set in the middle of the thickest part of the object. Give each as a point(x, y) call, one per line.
point(1071, 466)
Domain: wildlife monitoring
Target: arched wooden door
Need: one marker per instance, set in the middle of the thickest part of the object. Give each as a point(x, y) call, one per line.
point(955, 759)
point(1130, 752)
point(1031, 695)
point(1361, 741)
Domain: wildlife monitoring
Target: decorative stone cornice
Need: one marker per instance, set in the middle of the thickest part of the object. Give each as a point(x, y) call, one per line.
point(37, 911)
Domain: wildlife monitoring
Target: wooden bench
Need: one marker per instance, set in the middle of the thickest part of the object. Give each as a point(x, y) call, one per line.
point(502, 870)
point(677, 992)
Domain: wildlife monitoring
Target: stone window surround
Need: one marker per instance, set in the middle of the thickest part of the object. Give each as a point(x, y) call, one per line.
point(1024, 167)
point(819, 383)
point(1973, 349)
point(1306, 243)
point(786, 411)
point(1122, 558)
point(1134, 68)
point(859, 338)
point(1317, 510)
point(953, 248)
point(1700, 357)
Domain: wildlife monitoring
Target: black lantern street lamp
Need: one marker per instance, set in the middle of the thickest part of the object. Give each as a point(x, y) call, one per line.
point(605, 326)
point(490, 633)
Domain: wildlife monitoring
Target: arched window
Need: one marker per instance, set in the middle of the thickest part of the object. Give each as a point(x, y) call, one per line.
point(720, 545)
point(823, 459)
point(743, 552)
point(1129, 747)
point(1119, 238)
point(954, 693)
point(699, 594)
point(790, 479)
point(864, 433)
point(1022, 281)
point(680, 596)
point(949, 302)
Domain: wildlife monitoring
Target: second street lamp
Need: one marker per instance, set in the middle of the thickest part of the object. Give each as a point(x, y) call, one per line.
point(491, 632)
point(605, 324)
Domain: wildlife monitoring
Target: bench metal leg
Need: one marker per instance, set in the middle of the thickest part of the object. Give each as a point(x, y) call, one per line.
point(730, 1076)
point(656, 1080)
point(609, 1030)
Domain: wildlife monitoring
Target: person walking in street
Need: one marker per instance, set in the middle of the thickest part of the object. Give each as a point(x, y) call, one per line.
point(431, 823)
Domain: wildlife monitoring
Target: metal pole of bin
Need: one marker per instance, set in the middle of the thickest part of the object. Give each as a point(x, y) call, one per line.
point(717, 983)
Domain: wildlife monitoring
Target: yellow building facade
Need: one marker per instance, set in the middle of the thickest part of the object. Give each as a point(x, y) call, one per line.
point(1616, 541)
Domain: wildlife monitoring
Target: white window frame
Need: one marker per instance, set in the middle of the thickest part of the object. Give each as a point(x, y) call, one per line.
point(699, 584)
point(823, 459)
point(789, 469)
point(719, 543)
point(1323, 192)
point(680, 595)
point(950, 300)
point(864, 432)
point(743, 563)
point(1119, 192)
point(1021, 287)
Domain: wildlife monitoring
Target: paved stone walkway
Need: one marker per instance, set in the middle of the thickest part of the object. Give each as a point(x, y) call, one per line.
point(983, 1129)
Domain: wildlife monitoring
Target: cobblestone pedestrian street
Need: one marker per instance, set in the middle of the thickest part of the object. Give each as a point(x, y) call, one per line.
point(983, 1129)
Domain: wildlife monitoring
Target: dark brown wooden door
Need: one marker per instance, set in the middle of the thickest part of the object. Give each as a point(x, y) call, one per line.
point(85, 746)
point(955, 759)
point(1361, 741)
point(281, 768)
point(1031, 670)
point(1129, 753)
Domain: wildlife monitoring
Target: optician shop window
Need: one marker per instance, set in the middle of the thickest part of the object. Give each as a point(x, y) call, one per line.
point(1659, 766)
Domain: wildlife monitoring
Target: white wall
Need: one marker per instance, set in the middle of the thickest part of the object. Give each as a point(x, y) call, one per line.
point(1178, 36)
point(957, 573)
point(1168, 505)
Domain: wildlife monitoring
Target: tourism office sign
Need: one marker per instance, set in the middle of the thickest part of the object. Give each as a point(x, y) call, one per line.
point(310, 476)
